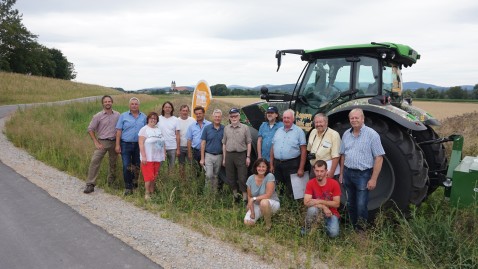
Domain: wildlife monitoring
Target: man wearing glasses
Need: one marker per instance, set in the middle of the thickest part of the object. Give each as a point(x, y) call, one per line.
point(236, 148)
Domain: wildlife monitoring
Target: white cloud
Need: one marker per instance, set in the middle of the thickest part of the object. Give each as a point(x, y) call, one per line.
point(139, 44)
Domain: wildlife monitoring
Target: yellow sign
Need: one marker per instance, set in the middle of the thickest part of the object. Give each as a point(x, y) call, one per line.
point(201, 97)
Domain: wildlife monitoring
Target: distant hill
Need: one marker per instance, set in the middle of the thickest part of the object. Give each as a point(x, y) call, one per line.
point(413, 85)
point(417, 85)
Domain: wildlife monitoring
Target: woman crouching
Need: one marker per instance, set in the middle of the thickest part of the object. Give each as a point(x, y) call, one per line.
point(261, 193)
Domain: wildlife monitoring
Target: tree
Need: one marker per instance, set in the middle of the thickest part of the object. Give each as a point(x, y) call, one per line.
point(14, 36)
point(456, 93)
point(432, 93)
point(474, 93)
point(220, 90)
point(408, 94)
point(21, 53)
point(420, 93)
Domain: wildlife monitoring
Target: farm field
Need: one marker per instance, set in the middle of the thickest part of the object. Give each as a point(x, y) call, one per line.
point(440, 110)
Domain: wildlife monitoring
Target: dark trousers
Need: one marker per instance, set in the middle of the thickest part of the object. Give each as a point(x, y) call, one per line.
point(282, 172)
point(130, 158)
point(236, 170)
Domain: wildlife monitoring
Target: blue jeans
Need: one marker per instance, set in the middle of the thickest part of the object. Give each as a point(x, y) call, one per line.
point(130, 158)
point(331, 223)
point(355, 182)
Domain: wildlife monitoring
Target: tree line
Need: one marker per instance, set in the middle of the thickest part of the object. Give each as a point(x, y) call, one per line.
point(21, 53)
point(456, 92)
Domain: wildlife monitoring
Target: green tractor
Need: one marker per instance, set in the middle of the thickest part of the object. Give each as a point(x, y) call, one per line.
point(368, 76)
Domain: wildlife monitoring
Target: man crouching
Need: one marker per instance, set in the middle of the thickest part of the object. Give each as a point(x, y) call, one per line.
point(322, 197)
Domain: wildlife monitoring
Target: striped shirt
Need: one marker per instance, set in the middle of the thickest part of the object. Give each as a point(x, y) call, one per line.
point(360, 151)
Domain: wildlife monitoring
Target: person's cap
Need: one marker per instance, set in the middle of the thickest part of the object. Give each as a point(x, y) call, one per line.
point(233, 110)
point(272, 109)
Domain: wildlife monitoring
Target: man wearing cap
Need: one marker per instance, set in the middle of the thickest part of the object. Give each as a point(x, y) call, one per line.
point(289, 151)
point(236, 154)
point(103, 123)
point(266, 133)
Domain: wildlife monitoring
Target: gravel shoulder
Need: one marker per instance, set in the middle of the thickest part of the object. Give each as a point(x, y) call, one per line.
point(167, 244)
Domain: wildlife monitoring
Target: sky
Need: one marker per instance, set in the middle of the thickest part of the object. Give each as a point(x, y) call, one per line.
point(137, 44)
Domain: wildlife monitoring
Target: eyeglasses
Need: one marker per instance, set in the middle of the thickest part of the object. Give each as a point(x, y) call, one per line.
point(234, 116)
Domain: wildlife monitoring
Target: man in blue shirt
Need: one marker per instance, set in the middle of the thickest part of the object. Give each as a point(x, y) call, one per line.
point(267, 132)
point(211, 150)
point(361, 161)
point(194, 134)
point(127, 129)
point(288, 152)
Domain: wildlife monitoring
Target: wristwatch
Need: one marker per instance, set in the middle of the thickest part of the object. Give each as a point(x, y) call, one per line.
point(254, 199)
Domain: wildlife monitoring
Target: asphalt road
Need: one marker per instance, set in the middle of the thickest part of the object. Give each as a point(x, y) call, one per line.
point(38, 231)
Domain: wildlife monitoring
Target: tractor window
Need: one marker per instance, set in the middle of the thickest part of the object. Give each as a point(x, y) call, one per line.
point(368, 76)
point(325, 80)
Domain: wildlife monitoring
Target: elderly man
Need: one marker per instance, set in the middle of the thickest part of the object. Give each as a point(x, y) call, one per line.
point(103, 123)
point(322, 198)
point(361, 161)
point(236, 151)
point(288, 151)
point(127, 129)
point(211, 150)
point(324, 143)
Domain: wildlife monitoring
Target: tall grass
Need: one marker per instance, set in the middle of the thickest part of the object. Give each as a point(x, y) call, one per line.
point(435, 236)
point(24, 89)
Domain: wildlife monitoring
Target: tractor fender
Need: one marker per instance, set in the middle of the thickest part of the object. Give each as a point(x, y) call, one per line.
point(391, 112)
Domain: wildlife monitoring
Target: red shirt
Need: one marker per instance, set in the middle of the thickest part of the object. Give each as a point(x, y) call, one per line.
point(326, 192)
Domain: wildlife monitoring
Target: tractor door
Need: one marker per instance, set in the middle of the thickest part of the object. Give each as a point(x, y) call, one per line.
point(323, 82)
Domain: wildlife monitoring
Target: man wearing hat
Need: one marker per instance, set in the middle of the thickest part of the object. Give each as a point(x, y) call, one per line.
point(236, 144)
point(267, 131)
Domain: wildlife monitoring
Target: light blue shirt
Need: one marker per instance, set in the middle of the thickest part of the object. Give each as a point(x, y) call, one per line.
point(287, 144)
point(260, 190)
point(130, 126)
point(267, 133)
point(360, 151)
point(194, 133)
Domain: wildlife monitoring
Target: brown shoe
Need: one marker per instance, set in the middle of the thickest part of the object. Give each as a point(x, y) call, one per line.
point(89, 189)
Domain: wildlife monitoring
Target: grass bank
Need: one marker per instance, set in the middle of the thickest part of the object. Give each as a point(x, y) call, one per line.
point(24, 89)
point(436, 235)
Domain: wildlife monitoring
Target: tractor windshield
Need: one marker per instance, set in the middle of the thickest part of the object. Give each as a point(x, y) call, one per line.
point(325, 80)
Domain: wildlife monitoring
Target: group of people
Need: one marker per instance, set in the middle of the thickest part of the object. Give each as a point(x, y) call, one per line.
point(147, 141)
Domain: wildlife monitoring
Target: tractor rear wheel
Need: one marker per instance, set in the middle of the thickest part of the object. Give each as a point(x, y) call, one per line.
point(435, 157)
point(404, 175)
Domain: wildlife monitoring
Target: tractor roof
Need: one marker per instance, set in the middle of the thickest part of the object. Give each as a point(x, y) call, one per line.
point(402, 53)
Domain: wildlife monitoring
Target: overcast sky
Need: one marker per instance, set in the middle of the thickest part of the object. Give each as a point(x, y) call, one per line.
point(138, 44)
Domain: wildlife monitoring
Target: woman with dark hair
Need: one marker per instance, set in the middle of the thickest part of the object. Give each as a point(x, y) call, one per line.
point(169, 125)
point(261, 193)
point(152, 152)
